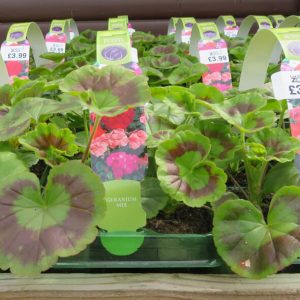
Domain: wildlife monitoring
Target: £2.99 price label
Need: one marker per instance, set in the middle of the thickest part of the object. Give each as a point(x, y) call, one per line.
point(214, 56)
point(55, 47)
point(13, 53)
point(286, 85)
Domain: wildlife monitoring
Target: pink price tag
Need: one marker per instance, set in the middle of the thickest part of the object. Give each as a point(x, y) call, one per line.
point(16, 57)
point(56, 43)
point(214, 55)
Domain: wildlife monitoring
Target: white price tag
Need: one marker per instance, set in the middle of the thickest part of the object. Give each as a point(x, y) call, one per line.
point(131, 31)
point(72, 35)
point(286, 85)
point(214, 56)
point(134, 55)
point(186, 36)
point(55, 47)
point(13, 53)
point(231, 33)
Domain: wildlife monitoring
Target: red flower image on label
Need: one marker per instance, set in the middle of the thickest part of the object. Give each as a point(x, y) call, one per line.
point(14, 68)
point(120, 121)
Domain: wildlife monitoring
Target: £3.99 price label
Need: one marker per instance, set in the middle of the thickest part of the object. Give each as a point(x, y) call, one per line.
point(214, 56)
point(55, 47)
point(13, 53)
point(286, 85)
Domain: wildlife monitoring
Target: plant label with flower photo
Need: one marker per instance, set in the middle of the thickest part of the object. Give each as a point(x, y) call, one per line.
point(184, 30)
point(207, 45)
point(118, 152)
point(228, 26)
point(56, 38)
point(15, 50)
point(286, 83)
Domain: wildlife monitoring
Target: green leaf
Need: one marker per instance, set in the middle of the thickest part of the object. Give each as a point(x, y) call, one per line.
point(110, 90)
point(29, 89)
point(243, 111)
point(184, 74)
point(167, 110)
point(50, 143)
point(162, 50)
point(279, 176)
point(250, 246)
point(56, 57)
point(17, 120)
point(185, 174)
point(208, 94)
point(168, 61)
point(279, 145)
point(153, 197)
point(223, 143)
point(36, 229)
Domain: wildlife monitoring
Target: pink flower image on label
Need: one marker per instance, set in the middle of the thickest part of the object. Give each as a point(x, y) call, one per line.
point(137, 139)
point(117, 138)
point(114, 53)
point(122, 163)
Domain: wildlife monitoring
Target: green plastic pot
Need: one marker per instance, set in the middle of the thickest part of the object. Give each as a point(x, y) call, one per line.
point(156, 251)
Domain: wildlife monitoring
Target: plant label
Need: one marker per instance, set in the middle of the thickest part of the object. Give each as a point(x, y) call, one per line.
point(184, 30)
point(211, 51)
point(262, 22)
point(61, 32)
point(286, 85)
point(172, 25)
point(15, 49)
point(117, 24)
point(119, 155)
point(228, 26)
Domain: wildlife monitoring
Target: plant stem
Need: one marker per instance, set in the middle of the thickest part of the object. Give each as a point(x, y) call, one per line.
point(87, 149)
point(281, 120)
point(238, 185)
point(85, 122)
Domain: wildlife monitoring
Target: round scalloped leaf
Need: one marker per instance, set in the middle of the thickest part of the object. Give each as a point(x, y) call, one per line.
point(253, 248)
point(243, 112)
point(10, 165)
point(183, 172)
point(168, 61)
point(208, 94)
point(279, 176)
point(184, 74)
point(110, 90)
point(278, 144)
point(36, 228)
point(162, 50)
point(17, 120)
point(50, 143)
point(153, 197)
point(223, 143)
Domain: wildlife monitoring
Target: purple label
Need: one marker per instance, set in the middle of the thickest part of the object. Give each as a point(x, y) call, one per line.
point(229, 22)
point(114, 53)
point(210, 34)
point(16, 35)
point(265, 24)
point(294, 48)
point(57, 28)
point(189, 25)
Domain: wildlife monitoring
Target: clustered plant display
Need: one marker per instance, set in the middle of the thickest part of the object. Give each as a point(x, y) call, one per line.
point(230, 153)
